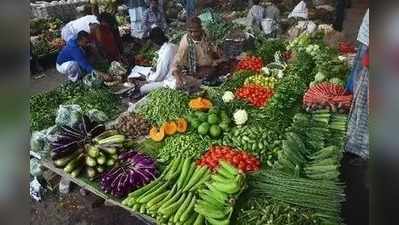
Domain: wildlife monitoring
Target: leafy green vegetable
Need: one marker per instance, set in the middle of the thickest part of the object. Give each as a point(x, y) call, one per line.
point(44, 106)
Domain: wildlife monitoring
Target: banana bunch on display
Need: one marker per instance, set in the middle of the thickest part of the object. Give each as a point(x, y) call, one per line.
point(215, 200)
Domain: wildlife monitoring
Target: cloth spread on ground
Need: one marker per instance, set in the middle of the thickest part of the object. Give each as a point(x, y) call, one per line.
point(72, 52)
point(71, 29)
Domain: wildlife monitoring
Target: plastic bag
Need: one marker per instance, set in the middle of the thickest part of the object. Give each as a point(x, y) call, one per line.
point(35, 190)
point(68, 115)
point(91, 80)
point(97, 116)
point(35, 167)
point(39, 142)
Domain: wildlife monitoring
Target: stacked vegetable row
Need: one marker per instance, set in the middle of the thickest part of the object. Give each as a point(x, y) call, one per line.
point(171, 197)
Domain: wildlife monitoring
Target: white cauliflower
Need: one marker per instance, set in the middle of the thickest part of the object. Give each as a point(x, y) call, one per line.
point(228, 96)
point(240, 117)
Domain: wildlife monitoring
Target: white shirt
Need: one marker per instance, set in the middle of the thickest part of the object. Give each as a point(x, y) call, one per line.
point(71, 29)
point(255, 15)
point(363, 35)
point(166, 55)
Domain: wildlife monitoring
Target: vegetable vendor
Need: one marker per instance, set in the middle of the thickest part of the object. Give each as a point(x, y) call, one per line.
point(153, 17)
point(161, 74)
point(87, 23)
point(105, 39)
point(272, 12)
point(73, 61)
point(196, 58)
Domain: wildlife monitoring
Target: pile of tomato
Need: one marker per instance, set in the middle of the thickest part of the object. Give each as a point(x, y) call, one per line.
point(255, 95)
point(346, 48)
point(240, 159)
point(251, 63)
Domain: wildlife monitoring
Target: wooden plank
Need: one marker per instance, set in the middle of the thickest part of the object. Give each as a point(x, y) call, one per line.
point(86, 185)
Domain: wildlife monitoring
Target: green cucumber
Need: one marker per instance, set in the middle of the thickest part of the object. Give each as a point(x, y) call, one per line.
point(189, 175)
point(183, 207)
point(63, 161)
point(142, 190)
point(198, 174)
point(170, 201)
point(169, 210)
point(184, 172)
point(153, 194)
point(204, 178)
point(187, 212)
point(74, 163)
point(157, 199)
point(90, 161)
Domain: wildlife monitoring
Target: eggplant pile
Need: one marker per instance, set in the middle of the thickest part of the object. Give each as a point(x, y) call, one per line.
point(85, 147)
point(327, 96)
point(134, 171)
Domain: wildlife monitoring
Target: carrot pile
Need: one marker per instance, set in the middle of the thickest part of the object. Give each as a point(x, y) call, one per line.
point(327, 96)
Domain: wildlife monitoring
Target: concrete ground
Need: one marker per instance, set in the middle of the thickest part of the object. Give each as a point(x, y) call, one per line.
point(77, 210)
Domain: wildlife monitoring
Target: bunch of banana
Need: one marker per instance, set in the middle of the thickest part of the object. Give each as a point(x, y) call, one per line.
point(215, 200)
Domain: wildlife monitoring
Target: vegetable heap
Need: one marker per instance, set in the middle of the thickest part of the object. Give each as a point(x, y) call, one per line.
point(215, 200)
point(172, 197)
point(188, 145)
point(132, 125)
point(164, 104)
point(86, 146)
point(255, 95)
point(134, 171)
point(43, 107)
point(327, 96)
point(266, 82)
point(240, 159)
point(251, 63)
point(213, 123)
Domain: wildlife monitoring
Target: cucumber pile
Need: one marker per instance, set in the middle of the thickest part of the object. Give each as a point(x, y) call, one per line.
point(171, 197)
point(95, 157)
point(215, 199)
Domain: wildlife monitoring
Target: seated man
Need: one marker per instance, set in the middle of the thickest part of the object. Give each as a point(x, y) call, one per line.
point(153, 17)
point(72, 61)
point(161, 74)
point(196, 59)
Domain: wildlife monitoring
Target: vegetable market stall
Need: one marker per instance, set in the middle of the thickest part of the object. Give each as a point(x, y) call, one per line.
point(262, 148)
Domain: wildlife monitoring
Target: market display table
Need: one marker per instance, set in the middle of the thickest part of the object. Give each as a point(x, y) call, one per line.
point(94, 188)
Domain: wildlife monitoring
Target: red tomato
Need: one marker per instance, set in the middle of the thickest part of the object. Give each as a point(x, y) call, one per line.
point(228, 156)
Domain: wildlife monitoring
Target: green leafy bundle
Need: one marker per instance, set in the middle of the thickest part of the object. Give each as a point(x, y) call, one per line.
point(164, 104)
point(266, 48)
